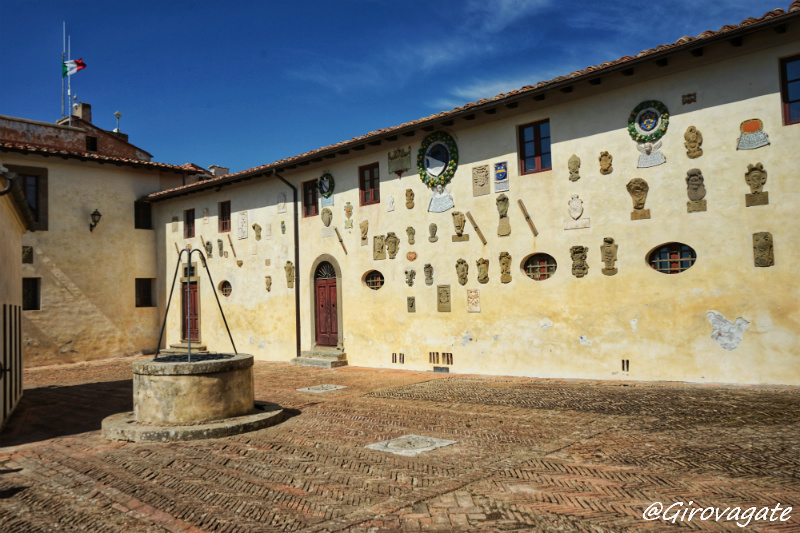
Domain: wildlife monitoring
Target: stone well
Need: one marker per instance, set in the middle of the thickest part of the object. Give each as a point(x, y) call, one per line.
point(173, 400)
point(167, 392)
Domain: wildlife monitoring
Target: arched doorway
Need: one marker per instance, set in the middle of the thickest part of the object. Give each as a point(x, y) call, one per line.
point(326, 310)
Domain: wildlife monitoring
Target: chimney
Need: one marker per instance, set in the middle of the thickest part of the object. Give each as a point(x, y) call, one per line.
point(83, 111)
point(218, 171)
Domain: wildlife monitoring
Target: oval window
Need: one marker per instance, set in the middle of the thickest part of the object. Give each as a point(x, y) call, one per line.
point(225, 288)
point(672, 258)
point(374, 280)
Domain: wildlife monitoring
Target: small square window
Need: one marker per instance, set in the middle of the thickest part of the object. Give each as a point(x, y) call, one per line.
point(534, 147)
point(224, 216)
point(143, 215)
point(31, 294)
point(145, 292)
point(310, 198)
point(91, 144)
point(188, 224)
point(790, 89)
point(369, 184)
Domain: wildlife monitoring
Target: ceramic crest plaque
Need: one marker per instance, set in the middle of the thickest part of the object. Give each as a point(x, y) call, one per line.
point(752, 135)
point(437, 159)
point(647, 123)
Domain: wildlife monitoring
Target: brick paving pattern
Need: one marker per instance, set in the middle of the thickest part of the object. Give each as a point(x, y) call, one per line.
point(531, 455)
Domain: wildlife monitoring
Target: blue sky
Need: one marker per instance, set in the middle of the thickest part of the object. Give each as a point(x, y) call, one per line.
point(241, 83)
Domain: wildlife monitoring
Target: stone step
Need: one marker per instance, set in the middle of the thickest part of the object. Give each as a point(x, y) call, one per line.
point(333, 355)
point(318, 362)
point(182, 348)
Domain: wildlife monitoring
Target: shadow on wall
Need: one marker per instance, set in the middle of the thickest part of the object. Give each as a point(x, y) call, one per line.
point(49, 412)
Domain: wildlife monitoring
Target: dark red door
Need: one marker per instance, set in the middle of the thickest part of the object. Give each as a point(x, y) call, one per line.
point(194, 323)
point(327, 327)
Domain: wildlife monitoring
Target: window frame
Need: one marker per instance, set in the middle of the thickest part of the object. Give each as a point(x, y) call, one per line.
point(91, 144)
point(374, 280)
point(40, 210)
point(550, 266)
point(369, 193)
point(188, 224)
point(144, 293)
point(36, 289)
point(142, 215)
point(785, 103)
point(224, 216)
point(539, 152)
point(672, 248)
point(310, 199)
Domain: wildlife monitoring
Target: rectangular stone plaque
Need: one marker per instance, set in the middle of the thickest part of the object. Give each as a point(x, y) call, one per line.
point(242, 228)
point(443, 298)
point(400, 160)
point(581, 223)
point(480, 180)
point(411, 303)
point(473, 300)
point(328, 232)
point(696, 206)
point(379, 247)
point(461, 238)
point(640, 214)
point(759, 198)
point(27, 255)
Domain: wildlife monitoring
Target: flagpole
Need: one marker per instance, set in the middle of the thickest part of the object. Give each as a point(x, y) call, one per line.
point(63, 51)
point(69, 80)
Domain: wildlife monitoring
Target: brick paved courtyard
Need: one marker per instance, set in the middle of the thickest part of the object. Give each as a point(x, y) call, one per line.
point(530, 455)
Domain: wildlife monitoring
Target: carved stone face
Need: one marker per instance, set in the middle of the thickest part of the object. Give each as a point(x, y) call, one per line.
point(505, 262)
point(756, 177)
point(462, 269)
point(458, 222)
point(502, 205)
point(574, 165)
point(327, 216)
point(609, 251)
point(695, 186)
point(409, 195)
point(605, 162)
point(638, 188)
point(432, 230)
point(410, 232)
point(391, 243)
point(762, 249)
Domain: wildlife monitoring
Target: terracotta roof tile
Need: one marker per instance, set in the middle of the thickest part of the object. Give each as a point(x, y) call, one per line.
point(6, 146)
point(794, 7)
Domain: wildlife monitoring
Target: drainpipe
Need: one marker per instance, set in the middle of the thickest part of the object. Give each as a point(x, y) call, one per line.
point(296, 262)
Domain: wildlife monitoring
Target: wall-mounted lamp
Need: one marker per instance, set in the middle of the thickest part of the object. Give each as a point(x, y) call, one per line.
point(95, 219)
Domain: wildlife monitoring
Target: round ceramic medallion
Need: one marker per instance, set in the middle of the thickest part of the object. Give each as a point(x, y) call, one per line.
point(437, 159)
point(648, 121)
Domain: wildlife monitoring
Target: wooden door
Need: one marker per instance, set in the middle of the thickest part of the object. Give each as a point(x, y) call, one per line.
point(194, 322)
point(326, 312)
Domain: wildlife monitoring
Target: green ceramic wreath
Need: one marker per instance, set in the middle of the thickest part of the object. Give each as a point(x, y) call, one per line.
point(331, 184)
point(444, 177)
point(656, 125)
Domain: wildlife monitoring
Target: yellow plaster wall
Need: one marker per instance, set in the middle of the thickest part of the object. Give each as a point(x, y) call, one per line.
point(656, 321)
point(88, 278)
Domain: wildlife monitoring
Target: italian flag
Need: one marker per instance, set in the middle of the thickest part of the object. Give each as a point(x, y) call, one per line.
point(68, 68)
